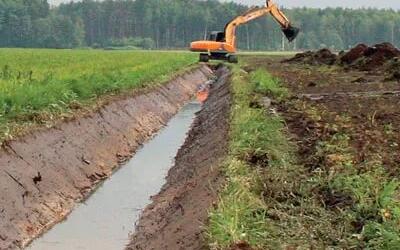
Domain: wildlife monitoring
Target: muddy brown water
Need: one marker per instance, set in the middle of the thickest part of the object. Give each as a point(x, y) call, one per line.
point(107, 218)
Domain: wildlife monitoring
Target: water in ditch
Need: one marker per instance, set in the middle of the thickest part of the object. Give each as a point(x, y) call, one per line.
point(106, 219)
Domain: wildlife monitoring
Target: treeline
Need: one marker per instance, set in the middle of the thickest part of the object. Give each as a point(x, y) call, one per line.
point(31, 23)
point(343, 28)
point(174, 23)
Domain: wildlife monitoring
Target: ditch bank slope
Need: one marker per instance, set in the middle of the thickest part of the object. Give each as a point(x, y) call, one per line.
point(43, 175)
point(175, 218)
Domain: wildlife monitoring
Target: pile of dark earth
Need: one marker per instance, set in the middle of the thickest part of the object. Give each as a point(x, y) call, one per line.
point(383, 57)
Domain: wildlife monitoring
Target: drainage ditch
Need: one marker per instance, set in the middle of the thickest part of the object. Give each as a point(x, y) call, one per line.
point(107, 218)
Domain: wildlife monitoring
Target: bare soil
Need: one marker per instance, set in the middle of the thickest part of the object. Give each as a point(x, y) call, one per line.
point(328, 102)
point(178, 213)
point(43, 175)
point(371, 107)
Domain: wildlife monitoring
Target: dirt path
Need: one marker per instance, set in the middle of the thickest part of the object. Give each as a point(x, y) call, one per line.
point(45, 174)
point(175, 219)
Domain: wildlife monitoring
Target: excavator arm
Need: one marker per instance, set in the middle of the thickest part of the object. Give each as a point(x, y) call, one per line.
point(222, 45)
point(270, 8)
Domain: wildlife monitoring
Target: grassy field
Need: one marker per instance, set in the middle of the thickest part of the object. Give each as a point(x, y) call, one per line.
point(37, 86)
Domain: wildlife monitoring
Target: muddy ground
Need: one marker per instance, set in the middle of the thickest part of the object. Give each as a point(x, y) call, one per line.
point(43, 175)
point(366, 101)
point(343, 122)
point(178, 213)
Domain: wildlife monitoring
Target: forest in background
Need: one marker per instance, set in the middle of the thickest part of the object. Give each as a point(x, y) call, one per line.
point(170, 24)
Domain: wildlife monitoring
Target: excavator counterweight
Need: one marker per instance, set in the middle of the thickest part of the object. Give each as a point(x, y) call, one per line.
point(222, 45)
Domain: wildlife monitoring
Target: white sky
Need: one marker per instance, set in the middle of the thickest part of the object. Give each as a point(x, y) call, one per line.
point(394, 4)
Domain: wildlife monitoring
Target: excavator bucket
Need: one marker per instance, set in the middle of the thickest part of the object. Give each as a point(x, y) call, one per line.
point(291, 33)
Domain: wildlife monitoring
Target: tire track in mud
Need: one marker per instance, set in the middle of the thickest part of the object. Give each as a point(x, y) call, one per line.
point(178, 213)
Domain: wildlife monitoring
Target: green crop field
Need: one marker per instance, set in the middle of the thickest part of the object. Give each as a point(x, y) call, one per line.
point(38, 85)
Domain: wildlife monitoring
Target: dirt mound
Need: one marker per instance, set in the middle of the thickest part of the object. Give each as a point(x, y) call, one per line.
point(354, 54)
point(372, 58)
point(320, 57)
point(361, 57)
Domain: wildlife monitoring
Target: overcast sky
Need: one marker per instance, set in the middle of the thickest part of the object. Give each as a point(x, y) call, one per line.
point(394, 4)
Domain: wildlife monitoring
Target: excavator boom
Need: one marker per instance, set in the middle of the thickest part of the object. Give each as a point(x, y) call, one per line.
point(223, 44)
point(287, 29)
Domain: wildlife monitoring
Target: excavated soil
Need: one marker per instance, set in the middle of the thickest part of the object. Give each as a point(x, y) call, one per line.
point(325, 105)
point(176, 217)
point(370, 58)
point(306, 79)
point(320, 57)
point(368, 102)
point(43, 175)
point(378, 58)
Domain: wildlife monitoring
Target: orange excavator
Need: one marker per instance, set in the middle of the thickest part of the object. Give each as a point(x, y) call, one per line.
point(222, 45)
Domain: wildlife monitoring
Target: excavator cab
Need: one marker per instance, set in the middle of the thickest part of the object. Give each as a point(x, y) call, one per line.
point(217, 36)
point(214, 48)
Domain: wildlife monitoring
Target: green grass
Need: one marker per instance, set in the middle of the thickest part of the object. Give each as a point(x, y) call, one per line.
point(38, 85)
point(265, 84)
point(376, 200)
point(242, 213)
